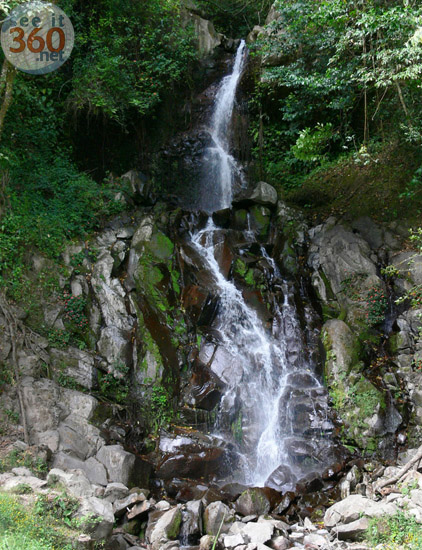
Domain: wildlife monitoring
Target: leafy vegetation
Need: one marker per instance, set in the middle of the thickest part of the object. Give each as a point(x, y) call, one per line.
point(340, 81)
point(398, 531)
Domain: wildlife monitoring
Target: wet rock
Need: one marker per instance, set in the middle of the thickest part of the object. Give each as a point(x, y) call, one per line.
point(192, 459)
point(191, 522)
point(164, 529)
point(141, 188)
point(260, 220)
point(204, 390)
point(222, 218)
point(253, 502)
point(217, 515)
point(281, 477)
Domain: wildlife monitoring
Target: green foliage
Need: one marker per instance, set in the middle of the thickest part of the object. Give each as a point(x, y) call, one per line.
point(311, 143)
point(128, 56)
point(58, 338)
point(373, 300)
point(376, 306)
point(346, 72)
point(161, 413)
point(22, 489)
point(74, 311)
point(394, 531)
point(62, 507)
point(235, 18)
point(114, 383)
point(17, 458)
point(47, 524)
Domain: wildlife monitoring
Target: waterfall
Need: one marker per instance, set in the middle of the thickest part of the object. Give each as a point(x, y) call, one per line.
point(271, 390)
point(221, 168)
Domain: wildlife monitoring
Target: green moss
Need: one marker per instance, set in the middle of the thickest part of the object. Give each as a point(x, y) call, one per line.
point(160, 246)
point(236, 428)
point(261, 219)
point(174, 528)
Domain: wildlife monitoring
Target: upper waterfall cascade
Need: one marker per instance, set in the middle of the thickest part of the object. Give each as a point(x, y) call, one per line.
point(220, 166)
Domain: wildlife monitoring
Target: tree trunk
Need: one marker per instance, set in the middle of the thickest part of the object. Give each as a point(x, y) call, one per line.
point(7, 79)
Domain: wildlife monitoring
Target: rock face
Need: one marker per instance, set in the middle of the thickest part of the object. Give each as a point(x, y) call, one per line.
point(362, 405)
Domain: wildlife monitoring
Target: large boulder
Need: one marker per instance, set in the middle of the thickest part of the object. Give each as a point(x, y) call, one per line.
point(75, 482)
point(77, 364)
point(217, 518)
point(361, 406)
point(123, 467)
point(264, 194)
point(97, 518)
point(164, 529)
point(354, 507)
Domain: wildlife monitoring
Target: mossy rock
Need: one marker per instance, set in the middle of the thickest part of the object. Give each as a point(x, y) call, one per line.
point(260, 220)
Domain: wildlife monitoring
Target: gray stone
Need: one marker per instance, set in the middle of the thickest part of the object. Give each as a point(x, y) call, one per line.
point(207, 37)
point(22, 472)
point(77, 403)
point(31, 480)
point(353, 530)
point(124, 467)
point(77, 364)
point(206, 542)
point(280, 543)
point(231, 541)
point(355, 506)
point(114, 345)
point(110, 294)
point(163, 505)
point(166, 528)
point(41, 398)
point(216, 513)
point(115, 491)
point(258, 533)
point(75, 482)
point(264, 194)
point(121, 506)
point(97, 517)
point(253, 501)
point(94, 470)
point(79, 438)
point(315, 540)
point(138, 510)
point(50, 439)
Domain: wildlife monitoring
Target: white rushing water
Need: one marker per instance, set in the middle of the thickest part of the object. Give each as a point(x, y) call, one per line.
point(257, 363)
point(221, 167)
